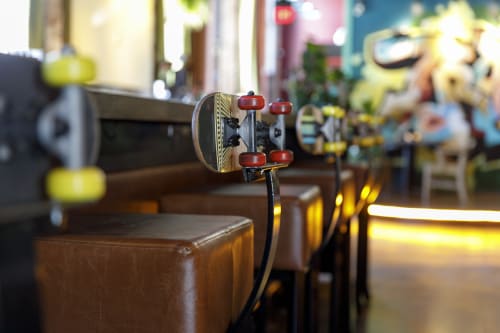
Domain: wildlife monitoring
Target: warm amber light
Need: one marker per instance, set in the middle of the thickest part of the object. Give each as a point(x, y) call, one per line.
point(339, 199)
point(375, 191)
point(277, 210)
point(364, 192)
point(434, 235)
point(432, 214)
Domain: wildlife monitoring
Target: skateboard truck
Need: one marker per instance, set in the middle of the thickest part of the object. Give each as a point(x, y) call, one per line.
point(257, 133)
point(231, 135)
point(218, 126)
point(332, 130)
point(261, 132)
point(61, 130)
point(255, 167)
point(320, 131)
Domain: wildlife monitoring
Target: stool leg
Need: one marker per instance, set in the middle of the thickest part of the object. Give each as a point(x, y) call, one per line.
point(345, 313)
point(18, 291)
point(295, 320)
point(362, 293)
point(336, 284)
point(311, 300)
point(260, 315)
point(340, 289)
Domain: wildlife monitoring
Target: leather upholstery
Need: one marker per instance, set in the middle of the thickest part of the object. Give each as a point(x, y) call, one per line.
point(300, 233)
point(128, 191)
point(119, 206)
point(351, 184)
point(145, 273)
point(324, 178)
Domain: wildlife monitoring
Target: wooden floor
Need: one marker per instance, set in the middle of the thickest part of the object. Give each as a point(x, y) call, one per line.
point(441, 199)
point(433, 278)
point(429, 277)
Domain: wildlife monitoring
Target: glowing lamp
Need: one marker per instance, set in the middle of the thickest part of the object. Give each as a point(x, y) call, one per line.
point(284, 13)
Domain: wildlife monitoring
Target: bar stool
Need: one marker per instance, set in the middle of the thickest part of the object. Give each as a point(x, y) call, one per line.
point(334, 256)
point(300, 230)
point(145, 273)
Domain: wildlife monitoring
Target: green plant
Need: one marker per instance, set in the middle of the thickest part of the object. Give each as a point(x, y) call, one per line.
point(315, 83)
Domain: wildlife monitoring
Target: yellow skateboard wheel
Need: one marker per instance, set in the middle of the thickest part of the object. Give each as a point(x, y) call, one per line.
point(364, 118)
point(68, 69)
point(379, 139)
point(334, 147)
point(367, 142)
point(333, 111)
point(72, 186)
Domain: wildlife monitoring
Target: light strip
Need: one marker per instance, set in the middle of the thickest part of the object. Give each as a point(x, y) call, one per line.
point(431, 214)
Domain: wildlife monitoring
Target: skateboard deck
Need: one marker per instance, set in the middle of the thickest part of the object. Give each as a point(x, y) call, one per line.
point(308, 125)
point(211, 119)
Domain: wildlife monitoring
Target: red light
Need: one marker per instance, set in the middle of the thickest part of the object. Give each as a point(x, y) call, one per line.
point(284, 14)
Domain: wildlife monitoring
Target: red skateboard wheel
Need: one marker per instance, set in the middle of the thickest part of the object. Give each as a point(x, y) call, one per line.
point(281, 156)
point(277, 108)
point(251, 102)
point(252, 159)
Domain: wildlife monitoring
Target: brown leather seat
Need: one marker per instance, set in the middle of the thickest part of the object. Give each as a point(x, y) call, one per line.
point(300, 233)
point(146, 273)
point(326, 180)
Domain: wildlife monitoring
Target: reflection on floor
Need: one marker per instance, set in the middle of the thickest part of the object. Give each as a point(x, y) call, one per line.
point(432, 278)
point(440, 199)
point(428, 277)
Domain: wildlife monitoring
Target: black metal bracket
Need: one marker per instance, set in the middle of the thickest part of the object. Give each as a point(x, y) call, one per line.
point(231, 135)
point(335, 213)
point(262, 134)
point(272, 232)
point(256, 174)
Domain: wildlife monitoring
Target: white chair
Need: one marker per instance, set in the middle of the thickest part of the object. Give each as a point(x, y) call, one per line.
point(447, 172)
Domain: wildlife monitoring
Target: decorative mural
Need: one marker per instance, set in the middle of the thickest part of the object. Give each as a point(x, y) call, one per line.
point(437, 82)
